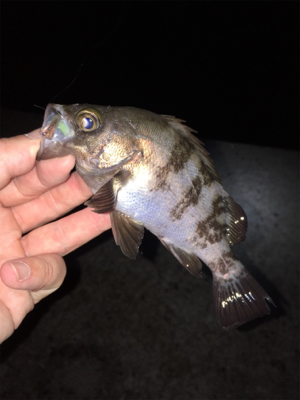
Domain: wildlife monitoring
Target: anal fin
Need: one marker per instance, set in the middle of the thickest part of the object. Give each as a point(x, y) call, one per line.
point(190, 261)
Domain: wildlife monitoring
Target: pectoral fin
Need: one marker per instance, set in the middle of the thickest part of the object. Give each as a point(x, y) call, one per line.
point(95, 177)
point(104, 200)
point(190, 261)
point(128, 233)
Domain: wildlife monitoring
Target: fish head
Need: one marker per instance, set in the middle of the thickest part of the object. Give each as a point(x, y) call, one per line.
point(99, 137)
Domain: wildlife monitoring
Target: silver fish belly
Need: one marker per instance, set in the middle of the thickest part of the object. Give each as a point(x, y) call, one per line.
point(149, 171)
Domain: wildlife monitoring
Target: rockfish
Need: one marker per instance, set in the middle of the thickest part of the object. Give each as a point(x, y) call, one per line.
point(150, 171)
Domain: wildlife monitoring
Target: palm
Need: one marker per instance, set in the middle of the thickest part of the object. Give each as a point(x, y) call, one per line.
point(30, 197)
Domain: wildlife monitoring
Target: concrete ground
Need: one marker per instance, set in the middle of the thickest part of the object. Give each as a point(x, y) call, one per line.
point(146, 329)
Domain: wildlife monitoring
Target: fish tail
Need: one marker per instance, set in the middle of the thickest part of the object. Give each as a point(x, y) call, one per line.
point(239, 298)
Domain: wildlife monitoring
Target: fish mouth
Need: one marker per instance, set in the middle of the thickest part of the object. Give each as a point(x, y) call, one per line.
point(55, 133)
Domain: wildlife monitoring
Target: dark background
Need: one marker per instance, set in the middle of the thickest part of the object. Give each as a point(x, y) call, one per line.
point(146, 329)
point(230, 69)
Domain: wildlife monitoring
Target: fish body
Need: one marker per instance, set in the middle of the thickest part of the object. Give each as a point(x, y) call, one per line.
point(150, 171)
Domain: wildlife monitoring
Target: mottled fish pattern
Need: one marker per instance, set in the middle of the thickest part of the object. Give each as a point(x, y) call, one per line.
point(150, 171)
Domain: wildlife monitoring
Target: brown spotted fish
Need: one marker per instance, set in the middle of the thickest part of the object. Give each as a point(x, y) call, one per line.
point(149, 171)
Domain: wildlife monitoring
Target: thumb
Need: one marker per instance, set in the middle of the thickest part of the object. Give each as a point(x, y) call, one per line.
point(41, 274)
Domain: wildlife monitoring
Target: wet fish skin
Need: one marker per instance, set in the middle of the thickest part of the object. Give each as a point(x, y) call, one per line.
point(150, 171)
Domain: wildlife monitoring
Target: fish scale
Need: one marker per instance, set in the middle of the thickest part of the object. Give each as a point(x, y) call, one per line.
point(150, 171)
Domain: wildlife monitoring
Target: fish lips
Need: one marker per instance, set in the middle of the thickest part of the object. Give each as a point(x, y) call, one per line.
point(56, 131)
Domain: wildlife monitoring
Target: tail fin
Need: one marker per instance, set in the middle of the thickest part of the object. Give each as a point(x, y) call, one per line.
point(239, 299)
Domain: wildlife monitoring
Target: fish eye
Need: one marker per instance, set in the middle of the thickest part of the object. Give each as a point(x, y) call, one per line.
point(89, 120)
point(87, 123)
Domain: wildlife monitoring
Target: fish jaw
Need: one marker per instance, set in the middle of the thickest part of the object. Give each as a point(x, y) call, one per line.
point(56, 131)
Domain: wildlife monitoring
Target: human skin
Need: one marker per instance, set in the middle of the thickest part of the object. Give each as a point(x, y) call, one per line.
point(32, 194)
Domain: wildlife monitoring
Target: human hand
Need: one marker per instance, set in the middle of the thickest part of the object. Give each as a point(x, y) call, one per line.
point(31, 195)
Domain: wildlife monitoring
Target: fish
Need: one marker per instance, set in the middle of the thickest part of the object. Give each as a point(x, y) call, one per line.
point(150, 171)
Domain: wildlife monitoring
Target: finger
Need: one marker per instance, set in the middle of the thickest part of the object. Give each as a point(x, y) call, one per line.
point(52, 204)
point(10, 236)
point(44, 272)
point(34, 134)
point(17, 157)
point(19, 294)
point(45, 175)
point(6, 322)
point(66, 234)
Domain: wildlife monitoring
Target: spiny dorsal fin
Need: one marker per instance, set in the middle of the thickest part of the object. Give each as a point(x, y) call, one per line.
point(128, 233)
point(177, 124)
point(104, 200)
point(190, 261)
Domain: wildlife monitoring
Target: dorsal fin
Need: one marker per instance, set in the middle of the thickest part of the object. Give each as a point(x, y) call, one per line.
point(235, 220)
point(178, 125)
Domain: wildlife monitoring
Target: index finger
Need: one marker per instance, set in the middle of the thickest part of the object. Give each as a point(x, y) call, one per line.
point(17, 157)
